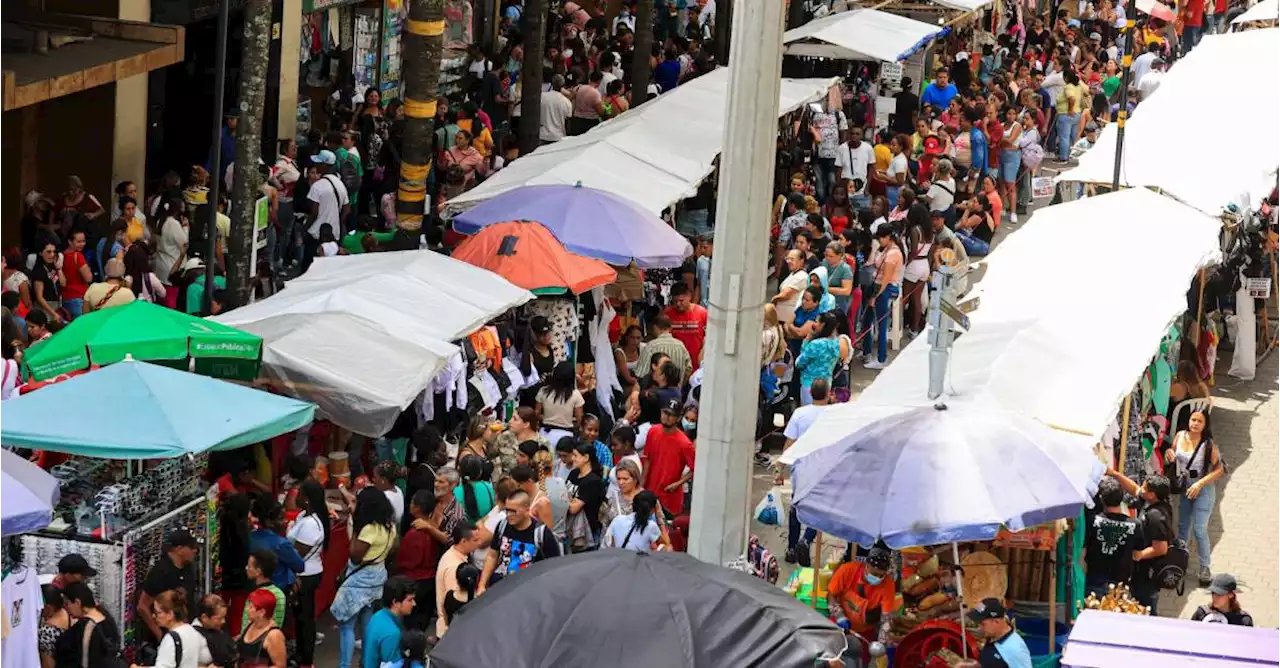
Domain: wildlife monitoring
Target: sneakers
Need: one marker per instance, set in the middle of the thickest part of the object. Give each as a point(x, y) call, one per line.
point(319, 638)
point(1206, 577)
point(874, 365)
point(1013, 217)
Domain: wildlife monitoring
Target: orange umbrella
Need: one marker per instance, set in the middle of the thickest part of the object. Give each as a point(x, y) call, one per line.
point(527, 254)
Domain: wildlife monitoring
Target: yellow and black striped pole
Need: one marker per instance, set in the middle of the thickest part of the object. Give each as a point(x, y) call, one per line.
point(423, 43)
point(1128, 48)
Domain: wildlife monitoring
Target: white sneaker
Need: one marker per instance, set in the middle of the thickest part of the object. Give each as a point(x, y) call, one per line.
point(1013, 217)
point(319, 637)
point(874, 365)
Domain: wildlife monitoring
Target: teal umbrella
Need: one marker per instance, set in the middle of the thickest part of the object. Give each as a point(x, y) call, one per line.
point(135, 410)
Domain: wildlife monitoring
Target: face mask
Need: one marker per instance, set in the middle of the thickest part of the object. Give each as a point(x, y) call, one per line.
point(688, 425)
point(873, 580)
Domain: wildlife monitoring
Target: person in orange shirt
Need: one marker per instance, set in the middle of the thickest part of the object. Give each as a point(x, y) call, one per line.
point(864, 593)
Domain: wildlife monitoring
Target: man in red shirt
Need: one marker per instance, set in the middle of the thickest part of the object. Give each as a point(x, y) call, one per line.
point(688, 321)
point(79, 276)
point(667, 462)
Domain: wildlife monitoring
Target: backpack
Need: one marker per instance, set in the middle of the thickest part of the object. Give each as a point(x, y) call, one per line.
point(1170, 571)
point(221, 647)
point(349, 172)
point(763, 564)
point(538, 532)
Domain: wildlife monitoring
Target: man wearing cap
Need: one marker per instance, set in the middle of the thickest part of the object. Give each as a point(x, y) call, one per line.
point(111, 292)
point(327, 200)
point(1224, 608)
point(1086, 142)
point(174, 570)
point(72, 568)
point(863, 593)
point(1004, 648)
point(667, 462)
point(1111, 539)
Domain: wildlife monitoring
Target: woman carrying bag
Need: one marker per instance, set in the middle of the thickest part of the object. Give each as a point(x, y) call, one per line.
point(1197, 466)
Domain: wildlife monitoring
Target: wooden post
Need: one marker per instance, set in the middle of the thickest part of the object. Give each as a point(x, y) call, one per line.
point(1200, 304)
point(817, 566)
point(1053, 601)
point(1124, 432)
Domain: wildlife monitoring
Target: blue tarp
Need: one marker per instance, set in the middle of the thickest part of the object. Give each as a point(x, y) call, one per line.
point(135, 410)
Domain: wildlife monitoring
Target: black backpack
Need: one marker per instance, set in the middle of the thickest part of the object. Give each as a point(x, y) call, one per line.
point(1171, 570)
point(221, 647)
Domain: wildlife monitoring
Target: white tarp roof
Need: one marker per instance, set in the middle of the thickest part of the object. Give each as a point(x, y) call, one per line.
point(963, 5)
point(656, 154)
point(1267, 10)
point(1218, 80)
point(860, 34)
point(1061, 342)
point(361, 336)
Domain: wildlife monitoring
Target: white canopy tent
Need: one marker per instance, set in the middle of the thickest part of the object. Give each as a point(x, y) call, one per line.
point(362, 336)
point(1218, 80)
point(655, 155)
point(860, 34)
point(964, 5)
point(1060, 342)
point(1267, 10)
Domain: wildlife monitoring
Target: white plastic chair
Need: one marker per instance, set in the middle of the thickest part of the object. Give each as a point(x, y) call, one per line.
point(1201, 404)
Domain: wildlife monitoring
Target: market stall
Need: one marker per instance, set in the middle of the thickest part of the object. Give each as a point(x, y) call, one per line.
point(861, 34)
point(527, 254)
point(1105, 639)
point(1265, 14)
point(404, 308)
point(115, 510)
point(654, 155)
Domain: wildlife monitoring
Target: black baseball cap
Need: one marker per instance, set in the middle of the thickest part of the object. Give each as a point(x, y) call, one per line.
point(671, 406)
point(74, 564)
point(180, 537)
point(989, 608)
point(1222, 584)
point(539, 324)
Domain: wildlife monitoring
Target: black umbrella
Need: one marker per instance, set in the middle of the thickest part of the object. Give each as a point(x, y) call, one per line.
point(624, 609)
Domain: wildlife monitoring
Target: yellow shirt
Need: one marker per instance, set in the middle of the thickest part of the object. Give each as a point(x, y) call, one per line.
point(483, 142)
point(379, 539)
point(883, 157)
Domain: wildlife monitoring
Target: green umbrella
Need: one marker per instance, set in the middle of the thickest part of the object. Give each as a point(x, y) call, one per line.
point(147, 332)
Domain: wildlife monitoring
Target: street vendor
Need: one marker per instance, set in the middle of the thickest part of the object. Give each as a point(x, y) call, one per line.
point(863, 592)
point(1004, 647)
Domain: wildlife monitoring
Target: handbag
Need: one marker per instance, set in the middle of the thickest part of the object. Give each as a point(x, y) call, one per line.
point(1180, 482)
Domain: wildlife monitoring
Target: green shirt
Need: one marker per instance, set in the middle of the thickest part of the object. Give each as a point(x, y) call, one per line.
point(351, 242)
point(278, 615)
point(1110, 85)
point(195, 293)
point(345, 156)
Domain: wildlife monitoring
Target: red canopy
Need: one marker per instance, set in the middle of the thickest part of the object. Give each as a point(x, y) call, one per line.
point(527, 254)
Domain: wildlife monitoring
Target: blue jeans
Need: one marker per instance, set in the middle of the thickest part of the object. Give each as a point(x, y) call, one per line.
point(694, 223)
point(75, 307)
point(1190, 38)
point(891, 194)
point(347, 636)
point(824, 172)
point(972, 245)
point(1193, 514)
point(860, 202)
point(795, 529)
point(1068, 124)
point(878, 316)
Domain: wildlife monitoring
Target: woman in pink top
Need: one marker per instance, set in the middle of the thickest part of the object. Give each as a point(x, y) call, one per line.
point(464, 155)
point(889, 267)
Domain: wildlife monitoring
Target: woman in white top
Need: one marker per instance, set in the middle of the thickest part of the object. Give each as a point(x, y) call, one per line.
point(310, 536)
point(173, 240)
point(144, 283)
point(636, 531)
point(942, 191)
point(896, 174)
point(170, 610)
point(916, 273)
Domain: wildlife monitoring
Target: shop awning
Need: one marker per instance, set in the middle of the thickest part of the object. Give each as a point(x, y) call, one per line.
point(860, 34)
point(114, 50)
point(1267, 10)
point(1060, 342)
point(1218, 80)
point(655, 155)
point(362, 336)
point(963, 5)
point(136, 410)
point(1102, 639)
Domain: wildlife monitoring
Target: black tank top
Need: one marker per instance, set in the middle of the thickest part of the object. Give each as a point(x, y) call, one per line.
point(254, 654)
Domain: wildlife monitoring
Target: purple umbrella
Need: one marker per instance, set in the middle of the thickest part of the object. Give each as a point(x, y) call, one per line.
point(29, 495)
point(588, 222)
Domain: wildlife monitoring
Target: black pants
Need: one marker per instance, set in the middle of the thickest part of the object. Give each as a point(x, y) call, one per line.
point(424, 609)
point(304, 618)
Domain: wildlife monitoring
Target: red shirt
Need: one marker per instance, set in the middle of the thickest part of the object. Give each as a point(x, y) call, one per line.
point(995, 135)
point(418, 555)
point(71, 263)
point(1195, 13)
point(664, 459)
point(689, 328)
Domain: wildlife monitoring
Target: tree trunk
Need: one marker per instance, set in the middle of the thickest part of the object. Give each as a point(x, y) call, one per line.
point(535, 39)
point(423, 42)
point(247, 185)
point(640, 58)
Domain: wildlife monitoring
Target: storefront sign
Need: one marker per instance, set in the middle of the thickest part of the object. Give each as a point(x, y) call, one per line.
point(313, 6)
point(1259, 288)
point(261, 220)
point(1043, 537)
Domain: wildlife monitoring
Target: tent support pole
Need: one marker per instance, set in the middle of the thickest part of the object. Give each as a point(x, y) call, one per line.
point(1053, 598)
point(959, 578)
point(1126, 59)
point(1124, 432)
point(817, 567)
point(1200, 303)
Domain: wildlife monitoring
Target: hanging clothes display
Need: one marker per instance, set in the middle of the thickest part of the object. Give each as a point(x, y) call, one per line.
point(42, 553)
point(20, 593)
point(605, 367)
point(1243, 328)
point(563, 316)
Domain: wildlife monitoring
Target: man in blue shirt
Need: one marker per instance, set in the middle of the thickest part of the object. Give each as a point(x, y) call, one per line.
point(382, 633)
point(938, 94)
point(1004, 648)
point(977, 147)
point(269, 536)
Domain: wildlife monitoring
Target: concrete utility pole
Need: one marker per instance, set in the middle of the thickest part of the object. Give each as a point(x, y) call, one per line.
point(727, 423)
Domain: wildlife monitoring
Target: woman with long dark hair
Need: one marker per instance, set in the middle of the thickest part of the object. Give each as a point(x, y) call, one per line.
point(310, 535)
point(1197, 465)
point(142, 280)
point(560, 402)
point(474, 492)
point(374, 531)
point(536, 356)
point(818, 355)
point(233, 544)
point(93, 641)
point(637, 531)
point(915, 276)
point(587, 490)
point(54, 621)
